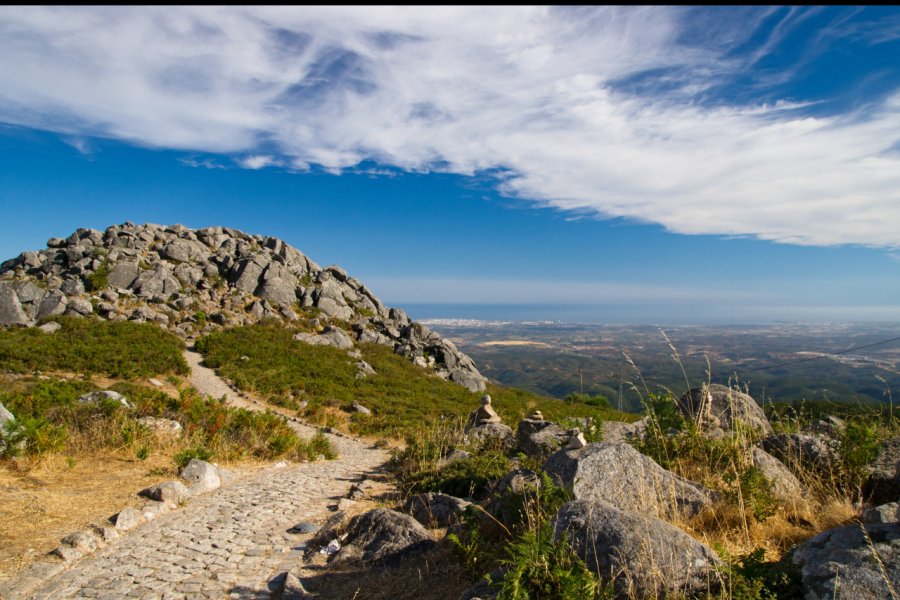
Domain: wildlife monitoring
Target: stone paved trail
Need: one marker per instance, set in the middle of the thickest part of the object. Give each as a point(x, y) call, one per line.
point(230, 543)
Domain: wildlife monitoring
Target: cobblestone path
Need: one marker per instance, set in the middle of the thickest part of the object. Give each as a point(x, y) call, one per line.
point(231, 543)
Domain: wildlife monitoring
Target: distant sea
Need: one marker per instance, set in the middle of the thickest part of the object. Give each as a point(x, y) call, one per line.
point(650, 314)
point(608, 314)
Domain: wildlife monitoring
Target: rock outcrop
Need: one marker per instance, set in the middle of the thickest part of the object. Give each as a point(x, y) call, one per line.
point(717, 408)
point(619, 475)
point(434, 509)
point(382, 534)
point(192, 280)
point(883, 484)
point(857, 561)
point(643, 556)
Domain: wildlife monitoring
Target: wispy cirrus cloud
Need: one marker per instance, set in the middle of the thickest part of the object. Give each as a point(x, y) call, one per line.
point(615, 112)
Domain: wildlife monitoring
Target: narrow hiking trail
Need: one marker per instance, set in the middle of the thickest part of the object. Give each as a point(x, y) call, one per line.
point(230, 543)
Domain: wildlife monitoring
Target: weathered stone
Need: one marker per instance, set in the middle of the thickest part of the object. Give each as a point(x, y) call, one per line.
point(716, 408)
point(785, 486)
point(123, 275)
point(79, 306)
point(642, 556)
point(54, 303)
point(471, 380)
point(434, 509)
point(73, 287)
point(496, 435)
point(357, 407)
point(883, 483)
point(331, 336)
point(203, 477)
point(172, 493)
point(363, 370)
point(128, 519)
point(83, 541)
point(619, 475)
point(51, 327)
point(158, 282)
point(540, 438)
point(166, 427)
point(858, 561)
point(885, 513)
point(68, 554)
point(11, 312)
point(383, 534)
point(5, 417)
point(799, 451)
point(483, 415)
point(100, 396)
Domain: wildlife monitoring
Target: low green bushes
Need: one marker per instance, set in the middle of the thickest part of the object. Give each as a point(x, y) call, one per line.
point(48, 419)
point(87, 346)
point(263, 358)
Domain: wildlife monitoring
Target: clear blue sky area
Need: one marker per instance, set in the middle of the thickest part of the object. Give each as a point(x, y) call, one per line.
point(656, 165)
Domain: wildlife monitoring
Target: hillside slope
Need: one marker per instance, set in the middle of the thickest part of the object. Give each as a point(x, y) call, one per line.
point(194, 281)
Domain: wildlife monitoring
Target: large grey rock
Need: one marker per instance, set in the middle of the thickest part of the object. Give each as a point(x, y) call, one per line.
point(123, 275)
point(858, 562)
point(883, 483)
point(539, 438)
point(885, 513)
point(73, 287)
point(11, 312)
point(617, 431)
point(716, 408)
point(496, 435)
point(642, 556)
point(383, 534)
point(172, 493)
point(128, 519)
point(469, 379)
point(800, 452)
point(158, 282)
point(183, 251)
point(435, 510)
point(785, 486)
point(331, 336)
point(619, 475)
point(83, 541)
point(54, 303)
point(202, 476)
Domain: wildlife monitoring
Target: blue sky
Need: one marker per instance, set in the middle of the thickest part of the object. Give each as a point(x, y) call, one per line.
point(659, 165)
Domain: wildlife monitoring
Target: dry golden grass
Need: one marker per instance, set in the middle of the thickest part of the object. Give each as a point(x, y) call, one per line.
point(48, 499)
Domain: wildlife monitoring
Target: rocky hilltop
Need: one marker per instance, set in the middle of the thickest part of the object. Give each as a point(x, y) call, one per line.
point(192, 280)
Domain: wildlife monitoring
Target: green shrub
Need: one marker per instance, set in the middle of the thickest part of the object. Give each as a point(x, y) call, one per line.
point(466, 477)
point(751, 577)
point(117, 349)
point(99, 279)
point(188, 454)
point(538, 566)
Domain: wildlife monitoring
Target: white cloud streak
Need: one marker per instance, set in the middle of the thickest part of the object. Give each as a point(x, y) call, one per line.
point(537, 92)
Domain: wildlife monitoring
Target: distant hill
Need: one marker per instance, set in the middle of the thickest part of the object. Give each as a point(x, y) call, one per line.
point(192, 282)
